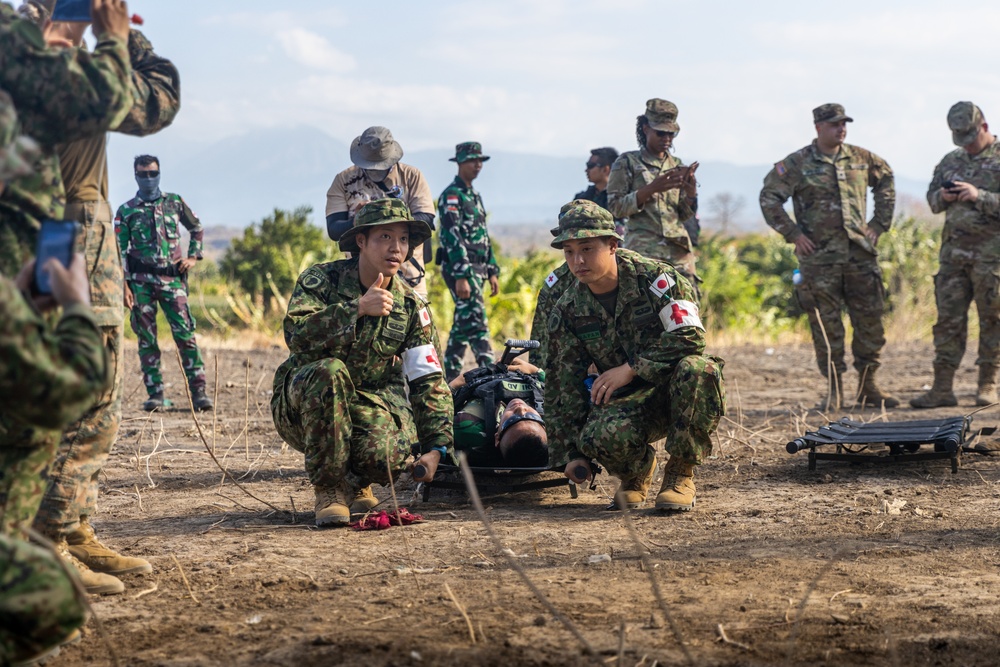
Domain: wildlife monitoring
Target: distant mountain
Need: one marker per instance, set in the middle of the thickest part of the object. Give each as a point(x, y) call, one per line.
point(238, 180)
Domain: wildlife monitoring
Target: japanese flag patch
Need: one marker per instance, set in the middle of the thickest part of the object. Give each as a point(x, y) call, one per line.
point(680, 313)
point(425, 317)
point(551, 279)
point(661, 284)
point(419, 362)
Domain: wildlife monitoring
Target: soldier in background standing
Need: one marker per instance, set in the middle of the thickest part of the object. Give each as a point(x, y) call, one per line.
point(828, 183)
point(966, 187)
point(156, 273)
point(467, 261)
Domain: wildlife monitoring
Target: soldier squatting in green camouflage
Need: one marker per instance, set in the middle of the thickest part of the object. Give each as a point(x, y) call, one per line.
point(678, 392)
point(465, 243)
point(557, 282)
point(829, 195)
point(338, 397)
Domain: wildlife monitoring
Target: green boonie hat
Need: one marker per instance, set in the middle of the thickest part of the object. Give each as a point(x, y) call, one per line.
point(662, 115)
point(385, 212)
point(470, 150)
point(830, 113)
point(18, 153)
point(965, 119)
point(583, 219)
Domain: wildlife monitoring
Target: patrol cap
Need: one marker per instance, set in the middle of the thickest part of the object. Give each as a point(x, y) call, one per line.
point(469, 150)
point(830, 113)
point(583, 219)
point(385, 212)
point(18, 153)
point(662, 115)
point(965, 119)
point(375, 149)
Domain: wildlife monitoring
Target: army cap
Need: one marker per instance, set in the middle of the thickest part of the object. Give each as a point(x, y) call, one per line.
point(385, 212)
point(662, 115)
point(830, 113)
point(375, 149)
point(469, 150)
point(583, 219)
point(18, 153)
point(965, 119)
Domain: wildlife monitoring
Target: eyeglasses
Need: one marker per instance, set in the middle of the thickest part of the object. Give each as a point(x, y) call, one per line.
point(593, 165)
point(664, 133)
point(148, 174)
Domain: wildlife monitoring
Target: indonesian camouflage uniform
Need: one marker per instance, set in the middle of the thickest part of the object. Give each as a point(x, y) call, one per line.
point(556, 283)
point(337, 397)
point(656, 329)
point(87, 443)
point(655, 230)
point(465, 243)
point(829, 195)
point(970, 257)
point(149, 237)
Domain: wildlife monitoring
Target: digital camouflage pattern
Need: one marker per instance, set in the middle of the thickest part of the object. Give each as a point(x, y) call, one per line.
point(61, 95)
point(970, 257)
point(465, 244)
point(555, 284)
point(39, 607)
point(339, 397)
point(829, 196)
point(656, 230)
point(678, 394)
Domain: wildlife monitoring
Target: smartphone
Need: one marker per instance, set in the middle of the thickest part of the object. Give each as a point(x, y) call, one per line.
point(949, 185)
point(72, 10)
point(56, 239)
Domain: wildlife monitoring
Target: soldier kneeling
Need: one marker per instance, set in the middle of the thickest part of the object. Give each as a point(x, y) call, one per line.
point(355, 330)
point(637, 320)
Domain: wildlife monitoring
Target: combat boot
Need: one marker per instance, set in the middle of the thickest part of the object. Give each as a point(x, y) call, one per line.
point(332, 505)
point(95, 583)
point(986, 393)
point(201, 401)
point(156, 402)
point(869, 393)
point(634, 489)
point(364, 501)
point(941, 394)
point(677, 491)
point(90, 551)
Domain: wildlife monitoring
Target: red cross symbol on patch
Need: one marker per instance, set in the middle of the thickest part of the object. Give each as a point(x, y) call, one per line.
point(433, 360)
point(678, 313)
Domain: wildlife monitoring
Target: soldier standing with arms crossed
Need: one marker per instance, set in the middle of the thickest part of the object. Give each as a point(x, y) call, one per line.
point(966, 187)
point(828, 182)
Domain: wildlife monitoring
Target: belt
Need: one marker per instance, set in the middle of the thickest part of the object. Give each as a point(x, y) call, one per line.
point(138, 266)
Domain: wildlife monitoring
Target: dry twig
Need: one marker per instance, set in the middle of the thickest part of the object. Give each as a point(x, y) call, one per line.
point(726, 640)
point(184, 578)
point(461, 610)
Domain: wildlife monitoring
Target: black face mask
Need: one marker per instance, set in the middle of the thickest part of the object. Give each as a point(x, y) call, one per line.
point(149, 187)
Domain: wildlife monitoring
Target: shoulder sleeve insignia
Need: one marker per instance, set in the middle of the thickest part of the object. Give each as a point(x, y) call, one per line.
point(551, 279)
point(425, 317)
point(680, 313)
point(311, 280)
point(451, 200)
point(554, 321)
point(779, 168)
point(661, 284)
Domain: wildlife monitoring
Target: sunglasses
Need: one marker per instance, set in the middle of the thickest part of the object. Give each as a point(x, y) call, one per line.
point(510, 421)
point(147, 174)
point(664, 133)
point(593, 165)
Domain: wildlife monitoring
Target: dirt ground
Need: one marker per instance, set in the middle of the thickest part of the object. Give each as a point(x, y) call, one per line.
point(845, 565)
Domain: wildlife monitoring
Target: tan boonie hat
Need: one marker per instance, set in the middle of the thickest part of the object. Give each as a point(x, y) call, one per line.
point(18, 153)
point(965, 119)
point(830, 113)
point(662, 115)
point(385, 212)
point(469, 150)
point(375, 149)
point(583, 219)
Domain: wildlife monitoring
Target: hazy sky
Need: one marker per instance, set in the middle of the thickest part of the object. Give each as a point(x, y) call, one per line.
point(559, 77)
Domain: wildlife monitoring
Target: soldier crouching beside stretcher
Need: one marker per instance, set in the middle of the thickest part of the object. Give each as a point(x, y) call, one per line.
point(637, 320)
point(353, 326)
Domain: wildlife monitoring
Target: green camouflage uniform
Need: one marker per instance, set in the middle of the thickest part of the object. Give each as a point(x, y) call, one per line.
point(150, 240)
point(39, 607)
point(87, 443)
point(338, 397)
point(556, 283)
point(829, 195)
point(465, 244)
point(679, 392)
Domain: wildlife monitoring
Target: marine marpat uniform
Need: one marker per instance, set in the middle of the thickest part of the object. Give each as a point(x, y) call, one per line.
point(678, 393)
point(335, 398)
point(829, 195)
point(149, 237)
point(467, 254)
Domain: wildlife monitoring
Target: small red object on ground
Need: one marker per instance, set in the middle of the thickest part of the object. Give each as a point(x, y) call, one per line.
point(382, 520)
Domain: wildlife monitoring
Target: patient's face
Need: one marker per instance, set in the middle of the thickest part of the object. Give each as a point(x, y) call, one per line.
point(522, 428)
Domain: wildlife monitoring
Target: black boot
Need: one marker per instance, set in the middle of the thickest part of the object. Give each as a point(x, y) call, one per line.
point(155, 402)
point(202, 402)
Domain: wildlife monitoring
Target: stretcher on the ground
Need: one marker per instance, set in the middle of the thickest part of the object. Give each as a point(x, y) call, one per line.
point(891, 442)
point(497, 480)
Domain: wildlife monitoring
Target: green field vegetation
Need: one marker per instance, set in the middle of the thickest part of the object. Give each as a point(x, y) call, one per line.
point(747, 288)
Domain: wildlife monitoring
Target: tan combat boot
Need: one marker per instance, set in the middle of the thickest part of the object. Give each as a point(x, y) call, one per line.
point(677, 490)
point(332, 505)
point(869, 393)
point(90, 551)
point(634, 489)
point(986, 393)
point(940, 394)
point(95, 583)
point(364, 501)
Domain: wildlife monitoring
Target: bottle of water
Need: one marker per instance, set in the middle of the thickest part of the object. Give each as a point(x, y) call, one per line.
point(796, 277)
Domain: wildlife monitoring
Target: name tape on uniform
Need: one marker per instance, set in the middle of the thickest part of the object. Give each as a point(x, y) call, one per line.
point(680, 313)
point(551, 279)
point(661, 284)
point(419, 362)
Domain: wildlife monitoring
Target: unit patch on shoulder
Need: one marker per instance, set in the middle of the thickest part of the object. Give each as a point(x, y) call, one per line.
point(311, 280)
point(661, 284)
point(425, 317)
point(451, 200)
point(551, 279)
point(779, 167)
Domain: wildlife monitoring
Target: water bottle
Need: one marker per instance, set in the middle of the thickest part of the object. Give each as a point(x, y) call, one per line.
point(796, 277)
point(588, 382)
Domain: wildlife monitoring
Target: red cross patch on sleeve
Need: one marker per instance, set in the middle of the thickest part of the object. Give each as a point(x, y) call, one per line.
point(680, 313)
point(551, 279)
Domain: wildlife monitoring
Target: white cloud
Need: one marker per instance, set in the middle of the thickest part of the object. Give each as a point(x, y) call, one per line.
point(312, 50)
